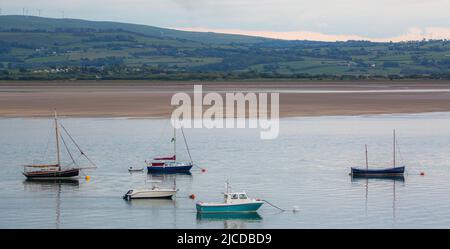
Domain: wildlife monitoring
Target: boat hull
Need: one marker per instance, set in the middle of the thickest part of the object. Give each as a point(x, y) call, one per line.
point(169, 169)
point(228, 208)
point(52, 174)
point(135, 170)
point(229, 216)
point(161, 194)
point(387, 172)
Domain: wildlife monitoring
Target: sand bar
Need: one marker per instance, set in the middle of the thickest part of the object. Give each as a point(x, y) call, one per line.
point(152, 99)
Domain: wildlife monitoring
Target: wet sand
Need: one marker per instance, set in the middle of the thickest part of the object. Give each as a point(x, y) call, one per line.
point(152, 99)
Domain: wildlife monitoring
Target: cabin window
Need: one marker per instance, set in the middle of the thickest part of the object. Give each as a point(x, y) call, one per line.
point(234, 196)
point(242, 196)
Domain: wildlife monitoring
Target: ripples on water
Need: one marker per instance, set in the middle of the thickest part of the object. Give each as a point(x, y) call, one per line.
point(307, 166)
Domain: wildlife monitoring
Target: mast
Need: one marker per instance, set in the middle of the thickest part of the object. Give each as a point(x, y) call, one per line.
point(394, 147)
point(57, 141)
point(367, 160)
point(174, 143)
point(227, 186)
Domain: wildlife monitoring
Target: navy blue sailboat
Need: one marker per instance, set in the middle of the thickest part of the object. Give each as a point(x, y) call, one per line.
point(170, 164)
point(385, 172)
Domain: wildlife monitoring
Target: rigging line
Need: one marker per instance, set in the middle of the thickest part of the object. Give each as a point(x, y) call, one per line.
point(187, 147)
point(399, 152)
point(76, 159)
point(78, 147)
point(68, 151)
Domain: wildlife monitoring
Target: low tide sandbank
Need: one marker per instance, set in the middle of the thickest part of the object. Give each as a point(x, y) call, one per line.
point(152, 99)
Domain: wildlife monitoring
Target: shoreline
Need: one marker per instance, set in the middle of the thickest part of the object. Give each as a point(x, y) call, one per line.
point(166, 118)
point(152, 99)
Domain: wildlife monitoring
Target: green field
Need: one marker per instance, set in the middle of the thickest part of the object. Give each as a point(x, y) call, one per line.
point(45, 48)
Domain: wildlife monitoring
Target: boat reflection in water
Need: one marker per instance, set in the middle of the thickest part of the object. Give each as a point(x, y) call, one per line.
point(152, 204)
point(230, 220)
point(52, 185)
point(380, 178)
point(170, 174)
point(375, 179)
point(183, 180)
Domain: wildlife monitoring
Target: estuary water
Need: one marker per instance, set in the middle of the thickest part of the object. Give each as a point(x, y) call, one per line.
point(306, 166)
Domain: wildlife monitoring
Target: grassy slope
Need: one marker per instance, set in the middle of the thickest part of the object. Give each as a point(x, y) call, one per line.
point(36, 44)
point(51, 24)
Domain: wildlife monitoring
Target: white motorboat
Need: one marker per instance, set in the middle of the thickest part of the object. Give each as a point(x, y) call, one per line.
point(154, 192)
point(131, 169)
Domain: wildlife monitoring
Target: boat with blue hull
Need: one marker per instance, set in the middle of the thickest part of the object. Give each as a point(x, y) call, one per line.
point(234, 202)
point(170, 164)
point(170, 167)
point(229, 216)
point(395, 171)
point(399, 178)
point(228, 207)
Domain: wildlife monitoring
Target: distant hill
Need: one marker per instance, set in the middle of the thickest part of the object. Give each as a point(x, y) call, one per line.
point(29, 23)
point(47, 48)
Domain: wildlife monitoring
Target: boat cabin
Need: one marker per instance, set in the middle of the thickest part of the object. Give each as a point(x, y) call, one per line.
point(236, 197)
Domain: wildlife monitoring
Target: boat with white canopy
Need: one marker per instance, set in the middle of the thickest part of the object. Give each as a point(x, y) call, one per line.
point(154, 192)
point(234, 202)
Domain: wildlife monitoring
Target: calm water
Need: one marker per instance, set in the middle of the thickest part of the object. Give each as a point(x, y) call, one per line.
point(307, 166)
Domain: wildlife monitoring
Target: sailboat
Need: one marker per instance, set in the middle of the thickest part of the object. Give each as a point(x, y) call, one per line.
point(385, 172)
point(170, 164)
point(56, 171)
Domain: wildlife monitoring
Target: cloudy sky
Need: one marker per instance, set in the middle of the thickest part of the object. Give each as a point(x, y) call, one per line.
point(378, 20)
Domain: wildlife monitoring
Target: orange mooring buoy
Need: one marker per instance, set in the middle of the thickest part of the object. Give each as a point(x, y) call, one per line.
point(422, 173)
point(203, 170)
point(192, 196)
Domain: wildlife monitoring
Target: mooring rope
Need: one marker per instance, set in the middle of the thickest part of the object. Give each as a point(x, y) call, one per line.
point(273, 205)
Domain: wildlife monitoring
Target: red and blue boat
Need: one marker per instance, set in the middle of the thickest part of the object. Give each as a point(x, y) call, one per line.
point(170, 164)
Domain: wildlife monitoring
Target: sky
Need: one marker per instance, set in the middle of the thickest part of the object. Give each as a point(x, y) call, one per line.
point(328, 20)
